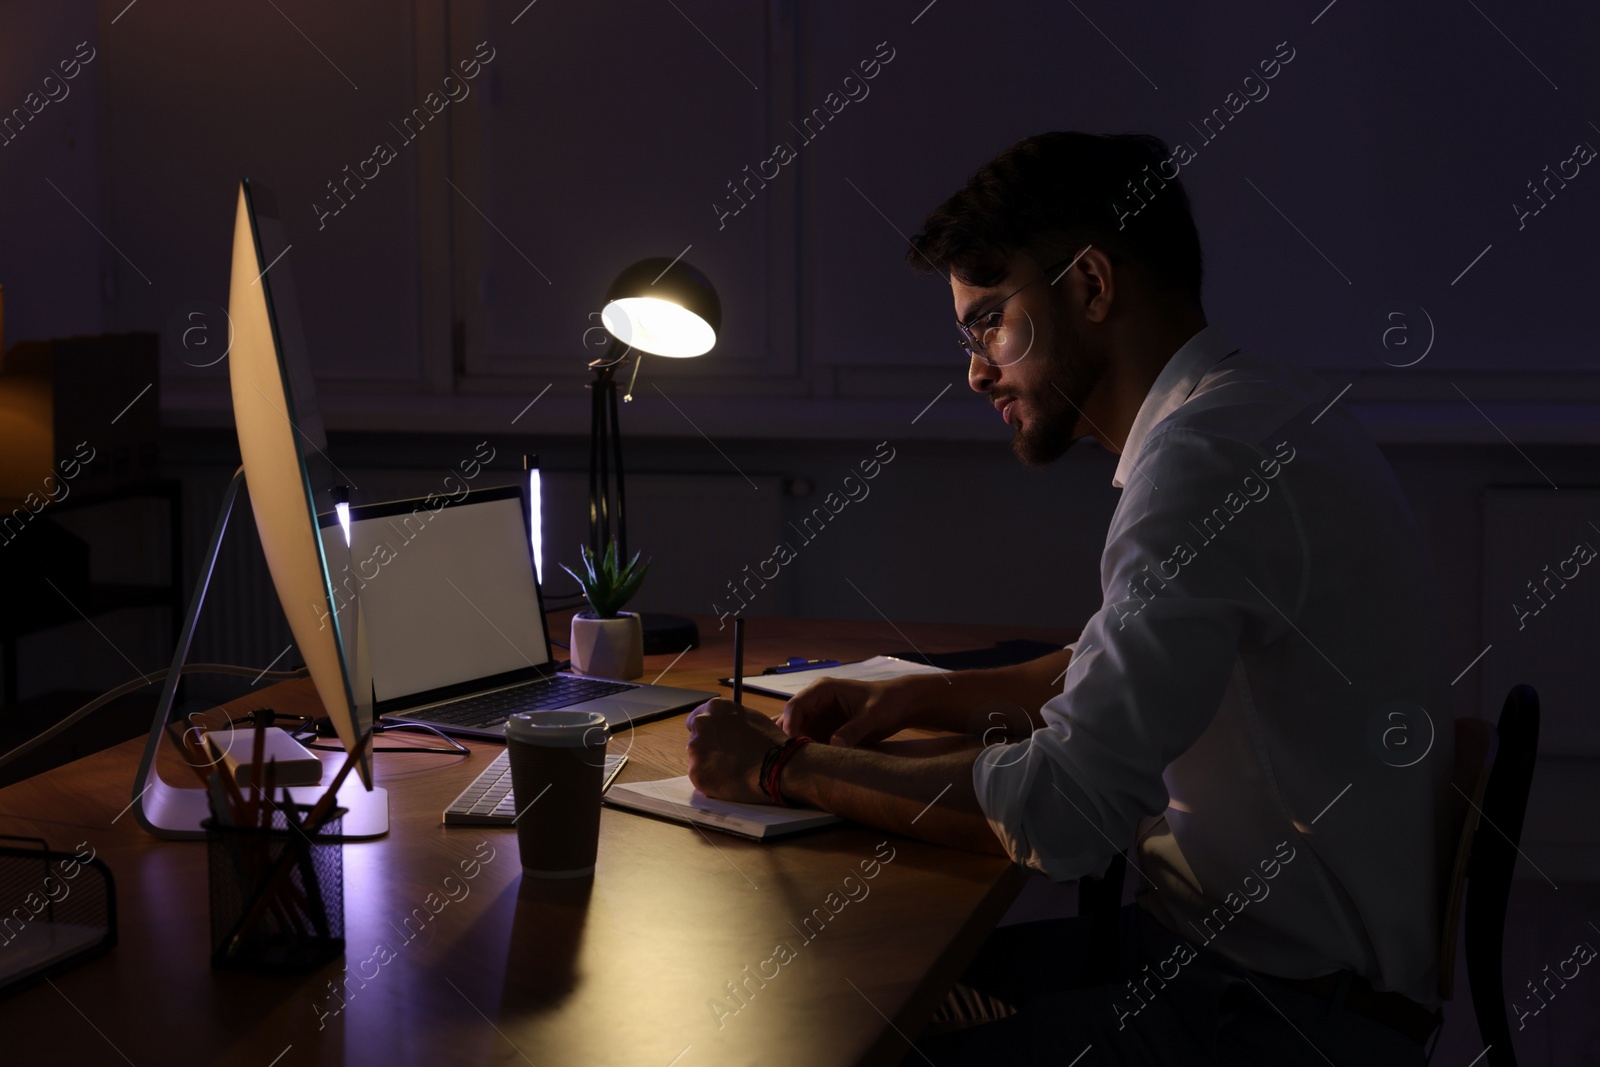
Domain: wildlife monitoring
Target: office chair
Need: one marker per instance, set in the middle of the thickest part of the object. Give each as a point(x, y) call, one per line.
point(1494, 771)
point(1492, 777)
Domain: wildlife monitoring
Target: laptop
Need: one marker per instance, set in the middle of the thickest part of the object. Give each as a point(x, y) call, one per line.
point(454, 619)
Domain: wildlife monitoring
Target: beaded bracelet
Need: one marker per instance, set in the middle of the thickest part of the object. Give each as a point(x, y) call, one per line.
point(772, 765)
point(766, 766)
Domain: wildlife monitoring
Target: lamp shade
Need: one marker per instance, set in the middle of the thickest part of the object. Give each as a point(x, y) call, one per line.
point(664, 307)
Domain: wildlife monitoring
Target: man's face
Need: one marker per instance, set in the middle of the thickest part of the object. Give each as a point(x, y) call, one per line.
point(1040, 365)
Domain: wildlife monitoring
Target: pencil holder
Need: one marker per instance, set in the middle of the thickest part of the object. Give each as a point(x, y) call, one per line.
point(277, 894)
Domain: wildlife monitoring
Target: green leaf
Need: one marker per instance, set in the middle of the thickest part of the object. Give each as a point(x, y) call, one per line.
point(608, 585)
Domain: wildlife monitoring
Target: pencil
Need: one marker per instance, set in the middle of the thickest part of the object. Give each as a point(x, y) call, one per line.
point(256, 751)
point(738, 661)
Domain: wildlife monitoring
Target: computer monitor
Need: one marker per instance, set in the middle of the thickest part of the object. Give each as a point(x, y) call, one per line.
point(281, 441)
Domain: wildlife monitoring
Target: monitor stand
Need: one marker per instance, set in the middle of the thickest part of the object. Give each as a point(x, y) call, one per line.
point(169, 812)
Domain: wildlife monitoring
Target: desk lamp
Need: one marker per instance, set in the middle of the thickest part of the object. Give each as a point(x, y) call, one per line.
point(663, 307)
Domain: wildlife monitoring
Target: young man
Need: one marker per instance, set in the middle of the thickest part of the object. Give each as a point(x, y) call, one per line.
point(1249, 710)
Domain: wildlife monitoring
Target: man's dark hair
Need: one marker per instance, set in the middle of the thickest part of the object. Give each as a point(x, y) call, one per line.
point(1053, 193)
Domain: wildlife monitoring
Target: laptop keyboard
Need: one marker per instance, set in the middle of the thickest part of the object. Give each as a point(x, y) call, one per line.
point(488, 710)
point(488, 800)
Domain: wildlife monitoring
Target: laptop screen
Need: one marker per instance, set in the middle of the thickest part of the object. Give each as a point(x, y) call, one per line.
point(447, 593)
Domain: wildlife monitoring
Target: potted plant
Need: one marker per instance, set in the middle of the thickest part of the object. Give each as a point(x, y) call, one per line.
point(607, 641)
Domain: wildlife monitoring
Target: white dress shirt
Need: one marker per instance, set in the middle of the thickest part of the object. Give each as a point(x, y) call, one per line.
point(1254, 698)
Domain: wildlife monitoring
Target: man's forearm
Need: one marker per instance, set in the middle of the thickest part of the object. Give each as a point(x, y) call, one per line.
point(929, 798)
point(975, 701)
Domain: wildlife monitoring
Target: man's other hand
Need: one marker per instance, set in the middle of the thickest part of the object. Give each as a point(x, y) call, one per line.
point(726, 745)
point(841, 711)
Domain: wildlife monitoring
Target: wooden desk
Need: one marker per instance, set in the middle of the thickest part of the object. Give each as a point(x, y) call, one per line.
point(509, 970)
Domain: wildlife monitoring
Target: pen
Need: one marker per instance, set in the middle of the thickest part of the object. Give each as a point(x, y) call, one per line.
point(738, 661)
point(798, 663)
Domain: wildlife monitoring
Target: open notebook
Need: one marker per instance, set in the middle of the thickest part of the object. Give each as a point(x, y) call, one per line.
point(876, 669)
point(677, 799)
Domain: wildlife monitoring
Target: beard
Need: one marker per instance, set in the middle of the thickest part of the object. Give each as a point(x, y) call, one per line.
point(1075, 366)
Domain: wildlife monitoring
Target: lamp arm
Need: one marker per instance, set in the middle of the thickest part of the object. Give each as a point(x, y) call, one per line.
point(627, 398)
point(596, 497)
point(609, 360)
point(616, 444)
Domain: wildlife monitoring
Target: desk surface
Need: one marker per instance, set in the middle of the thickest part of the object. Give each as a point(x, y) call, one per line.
point(501, 969)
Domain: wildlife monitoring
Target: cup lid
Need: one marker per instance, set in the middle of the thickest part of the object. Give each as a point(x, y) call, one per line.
point(574, 729)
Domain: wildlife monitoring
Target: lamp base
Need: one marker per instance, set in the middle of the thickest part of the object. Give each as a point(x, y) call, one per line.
point(668, 633)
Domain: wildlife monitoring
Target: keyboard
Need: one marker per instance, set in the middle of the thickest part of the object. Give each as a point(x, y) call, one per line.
point(488, 802)
point(488, 710)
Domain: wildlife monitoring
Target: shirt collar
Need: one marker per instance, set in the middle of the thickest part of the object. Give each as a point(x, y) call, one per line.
point(1172, 387)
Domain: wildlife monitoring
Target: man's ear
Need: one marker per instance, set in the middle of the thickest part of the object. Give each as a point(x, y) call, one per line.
point(1091, 284)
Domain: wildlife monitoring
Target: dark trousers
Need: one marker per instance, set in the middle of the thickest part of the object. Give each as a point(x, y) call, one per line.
point(1210, 1012)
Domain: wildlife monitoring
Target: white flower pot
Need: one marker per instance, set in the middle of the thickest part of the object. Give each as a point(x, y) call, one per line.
point(607, 648)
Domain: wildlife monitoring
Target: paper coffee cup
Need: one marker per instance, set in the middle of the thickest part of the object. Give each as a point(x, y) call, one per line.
point(557, 767)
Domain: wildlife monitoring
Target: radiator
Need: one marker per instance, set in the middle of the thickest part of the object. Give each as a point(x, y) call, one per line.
point(240, 622)
point(698, 531)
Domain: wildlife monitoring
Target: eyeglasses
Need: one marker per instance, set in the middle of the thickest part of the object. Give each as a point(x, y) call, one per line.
point(982, 339)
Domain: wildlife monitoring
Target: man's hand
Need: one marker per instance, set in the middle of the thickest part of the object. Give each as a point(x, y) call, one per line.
point(848, 713)
point(841, 711)
point(726, 745)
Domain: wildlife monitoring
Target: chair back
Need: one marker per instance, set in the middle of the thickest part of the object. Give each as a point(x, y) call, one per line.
point(1493, 775)
point(1475, 751)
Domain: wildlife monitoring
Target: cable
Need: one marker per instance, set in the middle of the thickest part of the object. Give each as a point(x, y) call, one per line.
point(133, 686)
point(456, 747)
point(309, 728)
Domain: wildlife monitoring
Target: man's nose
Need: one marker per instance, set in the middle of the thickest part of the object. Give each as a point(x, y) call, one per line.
point(981, 376)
